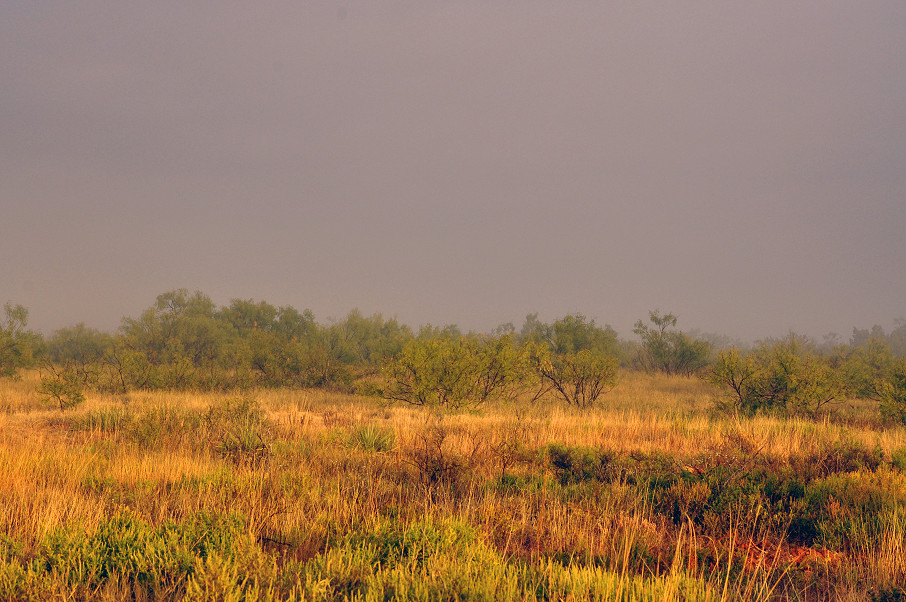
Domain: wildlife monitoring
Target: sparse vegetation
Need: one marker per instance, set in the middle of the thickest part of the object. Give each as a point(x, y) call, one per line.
point(283, 494)
point(217, 454)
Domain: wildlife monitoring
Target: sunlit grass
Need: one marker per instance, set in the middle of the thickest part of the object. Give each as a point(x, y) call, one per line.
point(327, 477)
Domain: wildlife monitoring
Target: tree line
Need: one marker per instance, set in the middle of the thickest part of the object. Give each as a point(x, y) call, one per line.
point(184, 341)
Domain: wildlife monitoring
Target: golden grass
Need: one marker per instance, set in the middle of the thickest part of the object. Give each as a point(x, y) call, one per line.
point(318, 483)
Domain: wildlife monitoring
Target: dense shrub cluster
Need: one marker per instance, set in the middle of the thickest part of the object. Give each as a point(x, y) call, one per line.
point(454, 372)
point(185, 342)
point(784, 376)
point(791, 376)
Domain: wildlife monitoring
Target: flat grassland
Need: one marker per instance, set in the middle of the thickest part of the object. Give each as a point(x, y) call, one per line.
point(310, 495)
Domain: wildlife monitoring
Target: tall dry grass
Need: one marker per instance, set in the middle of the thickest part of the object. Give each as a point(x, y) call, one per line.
point(322, 477)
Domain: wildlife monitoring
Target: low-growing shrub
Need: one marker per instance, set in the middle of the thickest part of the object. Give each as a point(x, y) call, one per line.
point(892, 392)
point(448, 555)
point(456, 372)
point(579, 464)
point(898, 458)
point(840, 457)
point(578, 378)
point(439, 462)
point(125, 553)
point(63, 386)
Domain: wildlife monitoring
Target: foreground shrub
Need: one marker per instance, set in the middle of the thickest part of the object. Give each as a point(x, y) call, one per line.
point(124, 553)
point(449, 560)
point(577, 464)
point(166, 426)
point(442, 466)
point(372, 438)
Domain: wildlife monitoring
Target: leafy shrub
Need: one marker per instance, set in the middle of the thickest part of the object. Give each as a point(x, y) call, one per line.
point(578, 378)
point(783, 377)
point(853, 508)
point(17, 343)
point(416, 544)
point(512, 446)
point(165, 425)
point(455, 372)
point(124, 553)
point(441, 465)
point(872, 371)
point(684, 500)
point(892, 392)
point(864, 367)
point(64, 386)
point(668, 350)
point(898, 458)
point(448, 558)
point(839, 457)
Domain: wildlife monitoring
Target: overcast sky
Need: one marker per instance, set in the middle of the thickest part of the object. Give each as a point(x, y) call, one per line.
point(741, 164)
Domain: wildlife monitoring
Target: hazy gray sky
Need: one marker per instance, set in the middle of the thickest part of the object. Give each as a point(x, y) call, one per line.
point(742, 164)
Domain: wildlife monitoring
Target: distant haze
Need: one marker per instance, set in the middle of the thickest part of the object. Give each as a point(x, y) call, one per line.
point(741, 164)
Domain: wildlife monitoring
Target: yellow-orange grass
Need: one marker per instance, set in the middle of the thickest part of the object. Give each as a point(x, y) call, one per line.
point(317, 478)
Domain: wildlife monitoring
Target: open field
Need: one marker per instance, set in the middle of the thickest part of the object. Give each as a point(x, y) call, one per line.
point(288, 494)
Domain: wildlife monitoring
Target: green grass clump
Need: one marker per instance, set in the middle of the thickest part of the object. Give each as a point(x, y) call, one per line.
point(372, 438)
point(123, 553)
point(449, 560)
point(113, 419)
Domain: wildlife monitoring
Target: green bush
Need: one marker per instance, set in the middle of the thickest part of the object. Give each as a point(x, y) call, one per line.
point(668, 350)
point(125, 553)
point(578, 378)
point(455, 372)
point(898, 458)
point(17, 343)
point(782, 377)
point(426, 560)
point(63, 387)
point(892, 392)
point(166, 425)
